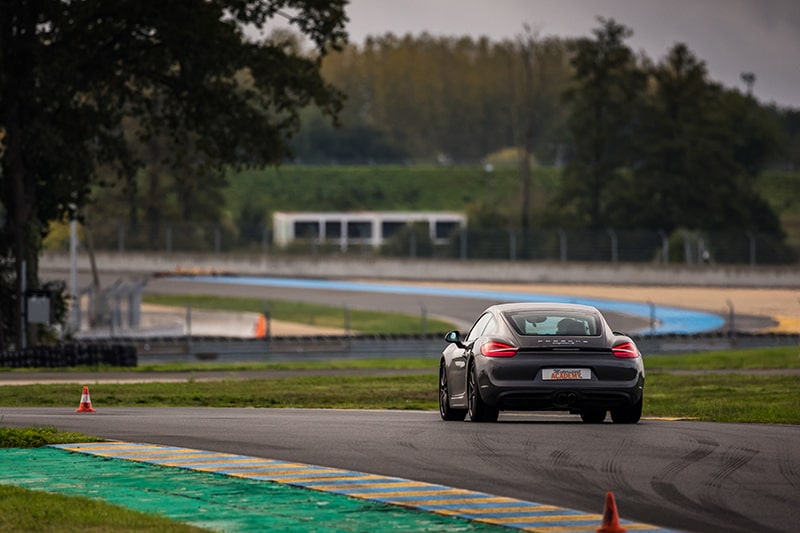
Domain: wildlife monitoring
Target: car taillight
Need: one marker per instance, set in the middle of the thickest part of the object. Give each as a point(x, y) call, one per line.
point(626, 350)
point(498, 349)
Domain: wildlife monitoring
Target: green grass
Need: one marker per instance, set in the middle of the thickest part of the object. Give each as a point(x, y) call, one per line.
point(367, 392)
point(721, 397)
point(748, 359)
point(372, 322)
point(724, 398)
point(380, 187)
point(39, 436)
point(781, 190)
point(28, 510)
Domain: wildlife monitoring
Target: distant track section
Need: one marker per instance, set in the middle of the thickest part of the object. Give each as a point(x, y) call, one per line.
point(664, 319)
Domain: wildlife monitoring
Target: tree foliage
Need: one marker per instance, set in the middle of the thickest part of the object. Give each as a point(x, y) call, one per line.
point(444, 98)
point(660, 146)
point(193, 75)
point(607, 83)
point(635, 132)
point(700, 150)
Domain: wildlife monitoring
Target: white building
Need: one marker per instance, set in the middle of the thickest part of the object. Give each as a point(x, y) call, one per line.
point(364, 227)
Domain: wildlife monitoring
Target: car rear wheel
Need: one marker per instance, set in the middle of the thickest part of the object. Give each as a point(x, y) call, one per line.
point(445, 411)
point(593, 416)
point(628, 415)
point(479, 411)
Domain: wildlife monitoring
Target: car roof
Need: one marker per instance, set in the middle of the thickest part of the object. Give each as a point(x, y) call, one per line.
point(541, 306)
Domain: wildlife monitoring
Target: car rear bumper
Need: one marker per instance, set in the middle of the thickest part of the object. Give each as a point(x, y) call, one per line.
point(560, 400)
point(577, 395)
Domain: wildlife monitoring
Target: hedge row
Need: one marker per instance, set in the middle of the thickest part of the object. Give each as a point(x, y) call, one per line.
point(69, 355)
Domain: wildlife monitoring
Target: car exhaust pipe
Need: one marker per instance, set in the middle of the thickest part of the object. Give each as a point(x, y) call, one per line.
point(565, 399)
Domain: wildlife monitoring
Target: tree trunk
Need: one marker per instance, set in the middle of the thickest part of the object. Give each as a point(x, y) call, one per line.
point(18, 75)
point(98, 308)
point(16, 175)
point(524, 187)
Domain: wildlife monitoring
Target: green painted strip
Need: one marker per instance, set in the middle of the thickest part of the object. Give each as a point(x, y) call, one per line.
point(215, 502)
point(464, 504)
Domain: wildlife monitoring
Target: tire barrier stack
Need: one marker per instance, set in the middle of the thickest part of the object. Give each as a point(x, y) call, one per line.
point(71, 355)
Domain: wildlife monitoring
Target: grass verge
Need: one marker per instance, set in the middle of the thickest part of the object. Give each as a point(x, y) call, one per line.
point(373, 322)
point(29, 510)
point(748, 359)
point(39, 436)
point(341, 392)
point(724, 398)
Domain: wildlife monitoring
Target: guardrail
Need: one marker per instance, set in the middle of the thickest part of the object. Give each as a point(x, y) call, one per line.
point(301, 348)
point(130, 351)
point(159, 350)
point(340, 267)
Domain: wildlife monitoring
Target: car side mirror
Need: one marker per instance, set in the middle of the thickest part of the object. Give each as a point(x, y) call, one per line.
point(454, 337)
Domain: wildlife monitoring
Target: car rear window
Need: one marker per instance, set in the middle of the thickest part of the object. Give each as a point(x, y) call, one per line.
point(553, 323)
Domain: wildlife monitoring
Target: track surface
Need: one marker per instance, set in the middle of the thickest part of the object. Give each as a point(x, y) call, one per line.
point(682, 475)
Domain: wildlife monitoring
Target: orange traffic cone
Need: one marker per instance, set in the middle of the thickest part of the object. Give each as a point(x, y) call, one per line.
point(610, 517)
point(86, 402)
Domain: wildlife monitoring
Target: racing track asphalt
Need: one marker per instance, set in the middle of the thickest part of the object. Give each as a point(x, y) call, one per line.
point(682, 475)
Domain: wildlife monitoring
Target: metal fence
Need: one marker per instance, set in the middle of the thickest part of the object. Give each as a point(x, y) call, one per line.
point(545, 244)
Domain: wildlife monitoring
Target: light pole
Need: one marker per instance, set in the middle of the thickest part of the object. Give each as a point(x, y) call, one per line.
point(749, 80)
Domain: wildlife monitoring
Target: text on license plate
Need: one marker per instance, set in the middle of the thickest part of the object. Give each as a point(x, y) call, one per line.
point(566, 373)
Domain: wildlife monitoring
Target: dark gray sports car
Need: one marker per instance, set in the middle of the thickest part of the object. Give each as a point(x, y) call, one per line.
point(541, 357)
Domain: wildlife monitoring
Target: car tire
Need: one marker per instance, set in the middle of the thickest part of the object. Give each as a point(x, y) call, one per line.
point(445, 411)
point(479, 411)
point(593, 416)
point(630, 414)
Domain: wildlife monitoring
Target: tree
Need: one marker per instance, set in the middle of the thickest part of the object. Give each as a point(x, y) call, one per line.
point(70, 72)
point(701, 148)
point(607, 85)
point(788, 156)
point(539, 75)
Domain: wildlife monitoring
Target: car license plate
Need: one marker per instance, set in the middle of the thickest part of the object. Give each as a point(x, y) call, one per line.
point(559, 374)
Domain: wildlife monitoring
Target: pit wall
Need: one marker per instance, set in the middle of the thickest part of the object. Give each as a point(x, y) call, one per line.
point(332, 267)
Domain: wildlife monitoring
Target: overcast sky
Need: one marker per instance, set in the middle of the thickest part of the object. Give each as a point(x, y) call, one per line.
point(731, 36)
